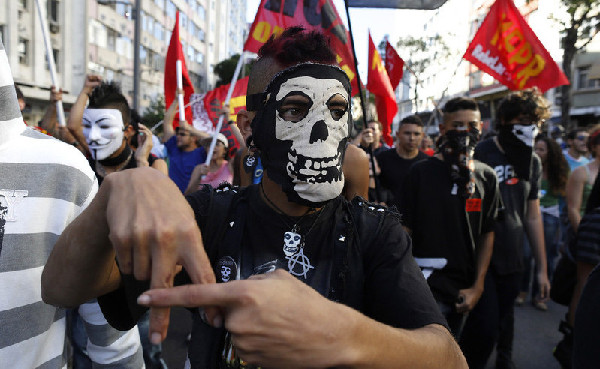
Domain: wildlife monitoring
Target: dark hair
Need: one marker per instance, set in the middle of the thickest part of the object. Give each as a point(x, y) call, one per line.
point(460, 103)
point(594, 139)
point(108, 95)
point(294, 46)
point(574, 132)
point(556, 165)
point(20, 95)
point(411, 119)
point(530, 103)
point(377, 122)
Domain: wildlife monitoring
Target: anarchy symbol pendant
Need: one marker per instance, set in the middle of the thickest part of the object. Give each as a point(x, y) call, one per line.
point(301, 261)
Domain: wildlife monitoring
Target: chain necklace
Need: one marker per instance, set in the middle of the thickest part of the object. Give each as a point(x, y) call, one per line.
point(293, 241)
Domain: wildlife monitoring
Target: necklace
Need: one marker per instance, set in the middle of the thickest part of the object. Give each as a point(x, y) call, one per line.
point(293, 241)
point(102, 172)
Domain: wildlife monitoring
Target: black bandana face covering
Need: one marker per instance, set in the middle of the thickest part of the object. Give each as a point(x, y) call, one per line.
point(517, 152)
point(457, 146)
point(301, 131)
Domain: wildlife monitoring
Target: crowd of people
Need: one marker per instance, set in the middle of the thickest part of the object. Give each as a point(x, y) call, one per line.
point(305, 248)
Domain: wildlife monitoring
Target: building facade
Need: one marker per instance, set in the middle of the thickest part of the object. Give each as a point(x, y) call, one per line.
point(97, 36)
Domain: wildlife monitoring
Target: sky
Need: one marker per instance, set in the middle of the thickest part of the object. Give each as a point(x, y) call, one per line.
point(394, 22)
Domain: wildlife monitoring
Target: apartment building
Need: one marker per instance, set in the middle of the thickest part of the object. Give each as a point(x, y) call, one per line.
point(97, 36)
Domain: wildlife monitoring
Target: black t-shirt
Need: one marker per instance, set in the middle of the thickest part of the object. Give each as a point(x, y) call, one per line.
point(438, 220)
point(393, 171)
point(586, 333)
point(509, 231)
point(378, 275)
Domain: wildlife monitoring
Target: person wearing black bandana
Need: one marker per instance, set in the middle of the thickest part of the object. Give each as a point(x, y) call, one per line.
point(519, 172)
point(449, 207)
point(306, 278)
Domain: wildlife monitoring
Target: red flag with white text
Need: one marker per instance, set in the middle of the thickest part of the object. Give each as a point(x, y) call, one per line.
point(506, 48)
point(174, 53)
point(318, 15)
point(379, 84)
point(394, 65)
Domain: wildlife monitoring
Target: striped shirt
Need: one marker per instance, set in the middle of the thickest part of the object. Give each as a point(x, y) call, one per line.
point(588, 238)
point(44, 185)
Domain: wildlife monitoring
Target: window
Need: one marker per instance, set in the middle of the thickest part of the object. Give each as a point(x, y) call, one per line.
point(201, 12)
point(143, 55)
point(53, 6)
point(191, 53)
point(55, 54)
point(124, 10)
point(150, 25)
point(23, 51)
point(199, 57)
point(111, 39)
point(200, 35)
point(159, 32)
point(160, 3)
point(124, 47)
point(97, 33)
point(183, 20)
point(583, 81)
point(23, 4)
point(171, 9)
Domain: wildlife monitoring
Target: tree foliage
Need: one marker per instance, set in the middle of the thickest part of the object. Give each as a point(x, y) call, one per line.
point(226, 68)
point(154, 113)
point(577, 30)
point(420, 53)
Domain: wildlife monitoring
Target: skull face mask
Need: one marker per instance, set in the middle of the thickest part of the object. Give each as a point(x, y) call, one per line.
point(302, 129)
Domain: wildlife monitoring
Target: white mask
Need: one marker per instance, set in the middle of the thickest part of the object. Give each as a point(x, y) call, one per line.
point(103, 130)
point(315, 138)
point(526, 134)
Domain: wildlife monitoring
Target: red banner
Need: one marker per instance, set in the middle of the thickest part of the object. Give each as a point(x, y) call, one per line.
point(206, 110)
point(394, 65)
point(379, 84)
point(319, 15)
point(174, 53)
point(506, 48)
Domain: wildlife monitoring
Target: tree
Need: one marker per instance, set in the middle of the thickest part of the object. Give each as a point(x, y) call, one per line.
point(422, 51)
point(226, 68)
point(578, 30)
point(155, 112)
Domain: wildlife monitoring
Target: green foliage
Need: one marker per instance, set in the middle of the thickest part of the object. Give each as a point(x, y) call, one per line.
point(226, 68)
point(154, 113)
point(582, 25)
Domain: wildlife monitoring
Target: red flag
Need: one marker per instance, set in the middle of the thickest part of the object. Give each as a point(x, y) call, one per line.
point(174, 53)
point(206, 110)
point(506, 48)
point(214, 99)
point(379, 84)
point(319, 15)
point(394, 65)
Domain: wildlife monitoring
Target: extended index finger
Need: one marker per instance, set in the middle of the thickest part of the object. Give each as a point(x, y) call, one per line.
point(196, 295)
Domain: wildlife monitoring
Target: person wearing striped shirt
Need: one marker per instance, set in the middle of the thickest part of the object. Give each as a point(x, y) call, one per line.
point(44, 185)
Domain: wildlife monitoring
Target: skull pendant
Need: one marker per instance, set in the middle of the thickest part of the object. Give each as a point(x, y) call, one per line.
point(291, 243)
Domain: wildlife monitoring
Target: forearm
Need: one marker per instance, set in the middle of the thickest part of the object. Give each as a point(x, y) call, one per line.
point(49, 121)
point(535, 234)
point(82, 264)
point(238, 136)
point(484, 255)
point(74, 123)
point(374, 345)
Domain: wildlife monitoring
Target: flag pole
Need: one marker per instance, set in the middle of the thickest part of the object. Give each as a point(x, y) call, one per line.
point(362, 100)
point(236, 74)
point(178, 67)
point(60, 113)
point(362, 103)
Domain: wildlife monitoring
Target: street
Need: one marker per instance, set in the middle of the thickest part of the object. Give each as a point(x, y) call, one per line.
point(536, 334)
